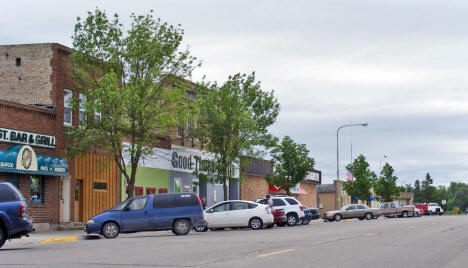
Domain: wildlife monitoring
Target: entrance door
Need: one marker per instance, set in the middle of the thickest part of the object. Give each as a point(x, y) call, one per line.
point(78, 200)
point(65, 199)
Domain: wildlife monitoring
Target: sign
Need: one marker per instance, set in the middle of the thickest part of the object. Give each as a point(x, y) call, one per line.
point(29, 138)
point(455, 209)
point(444, 202)
point(313, 177)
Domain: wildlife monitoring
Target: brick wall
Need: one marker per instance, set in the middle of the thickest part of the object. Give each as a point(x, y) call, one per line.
point(253, 187)
point(309, 199)
point(30, 82)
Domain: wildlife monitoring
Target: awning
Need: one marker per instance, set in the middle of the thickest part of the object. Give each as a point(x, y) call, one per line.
point(275, 189)
point(23, 159)
point(371, 198)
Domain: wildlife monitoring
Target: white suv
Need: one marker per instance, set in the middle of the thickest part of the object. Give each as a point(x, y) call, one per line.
point(293, 209)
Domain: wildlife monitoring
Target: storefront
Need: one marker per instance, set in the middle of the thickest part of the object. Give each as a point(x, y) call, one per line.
point(172, 170)
point(37, 177)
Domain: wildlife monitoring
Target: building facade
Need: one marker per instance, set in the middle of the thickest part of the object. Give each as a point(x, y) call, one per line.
point(35, 85)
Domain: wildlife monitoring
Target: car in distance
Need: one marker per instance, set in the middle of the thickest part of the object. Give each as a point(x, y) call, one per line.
point(176, 212)
point(238, 213)
point(359, 211)
point(292, 207)
point(390, 209)
point(279, 217)
point(310, 214)
point(14, 221)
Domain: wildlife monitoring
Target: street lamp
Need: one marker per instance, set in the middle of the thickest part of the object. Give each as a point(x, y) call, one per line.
point(381, 163)
point(337, 152)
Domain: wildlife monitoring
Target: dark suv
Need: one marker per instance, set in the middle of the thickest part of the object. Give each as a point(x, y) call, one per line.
point(176, 212)
point(14, 221)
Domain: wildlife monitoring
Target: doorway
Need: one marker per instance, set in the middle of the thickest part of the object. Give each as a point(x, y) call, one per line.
point(65, 199)
point(78, 201)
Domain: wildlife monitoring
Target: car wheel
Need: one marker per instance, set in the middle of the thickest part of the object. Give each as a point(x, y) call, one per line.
point(201, 229)
point(404, 214)
point(2, 237)
point(337, 217)
point(181, 227)
point(110, 230)
point(300, 221)
point(255, 223)
point(306, 222)
point(291, 220)
point(368, 216)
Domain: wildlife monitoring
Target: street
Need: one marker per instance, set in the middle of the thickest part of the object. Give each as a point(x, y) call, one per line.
point(402, 242)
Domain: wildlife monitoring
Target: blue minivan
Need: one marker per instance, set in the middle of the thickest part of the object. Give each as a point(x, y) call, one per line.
point(177, 212)
point(14, 221)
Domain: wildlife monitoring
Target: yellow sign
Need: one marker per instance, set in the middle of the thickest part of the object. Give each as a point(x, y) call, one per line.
point(456, 209)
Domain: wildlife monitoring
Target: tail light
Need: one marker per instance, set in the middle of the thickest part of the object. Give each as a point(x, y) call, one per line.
point(21, 211)
point(302, 208)
point(268, 210)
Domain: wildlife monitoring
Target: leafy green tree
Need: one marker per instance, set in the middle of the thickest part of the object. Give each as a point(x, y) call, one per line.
point(427, 190)
point(364, 179)
point(417, 191)
point(291, 163)
point(385, 186)
point(233, 121)
point(409, 188)
point(124, 76)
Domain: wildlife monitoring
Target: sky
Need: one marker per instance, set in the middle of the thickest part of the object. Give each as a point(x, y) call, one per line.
point(398, 65)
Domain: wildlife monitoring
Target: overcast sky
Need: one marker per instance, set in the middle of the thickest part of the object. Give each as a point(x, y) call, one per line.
point(400, 66)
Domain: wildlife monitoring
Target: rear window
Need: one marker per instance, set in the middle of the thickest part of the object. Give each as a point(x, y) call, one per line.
point(291, 201)
point(186, 200)
point(252, 205)
point(8, 194)
point(278, 202)
point(361, 207)
point(164, 201)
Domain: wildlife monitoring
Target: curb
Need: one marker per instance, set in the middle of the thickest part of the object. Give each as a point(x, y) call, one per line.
point(60, 239)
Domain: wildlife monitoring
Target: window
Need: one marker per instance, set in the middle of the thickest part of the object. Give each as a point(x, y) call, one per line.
point(36, 190)
point(252, 205)
point(162, 190)
point(291, 201)
point(18, 61)
point(13, 180)
point(67, 112)
point(186, 200)
point(83, 116)
point(361, 207)
point(278, 202)
point(138, 203)
point(7, 194)
point(351, 207)
point(222, 207)
point(138, 191)
point(150, 190)
point(100, 186)
point(164, 201)
point(239, 206)
point(177, 183)
point(97, 115)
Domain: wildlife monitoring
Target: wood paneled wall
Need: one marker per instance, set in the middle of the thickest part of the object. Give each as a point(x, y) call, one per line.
point(91, 168)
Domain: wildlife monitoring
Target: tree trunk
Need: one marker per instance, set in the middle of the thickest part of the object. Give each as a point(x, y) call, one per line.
point(225, 189)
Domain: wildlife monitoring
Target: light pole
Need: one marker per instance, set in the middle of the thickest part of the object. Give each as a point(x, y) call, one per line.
point(381, 163)
point(337, 151)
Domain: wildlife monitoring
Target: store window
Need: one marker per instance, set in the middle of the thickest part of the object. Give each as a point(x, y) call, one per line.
point(177, 184)
point(67, 111)
point(36, 190)
point(150, 190)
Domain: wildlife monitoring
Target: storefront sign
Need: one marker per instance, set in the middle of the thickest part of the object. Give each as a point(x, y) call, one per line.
point(23, 159)
point(312, 177)
point(29, 138)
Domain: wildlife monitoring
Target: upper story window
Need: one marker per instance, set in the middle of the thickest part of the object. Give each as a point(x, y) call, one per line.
point(67, 111)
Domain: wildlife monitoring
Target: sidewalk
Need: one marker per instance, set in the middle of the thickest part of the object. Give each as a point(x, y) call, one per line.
point(50, 236)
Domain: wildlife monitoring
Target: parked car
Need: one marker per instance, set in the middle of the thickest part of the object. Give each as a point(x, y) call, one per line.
point(390, 209)
point(359, 211)
point(430, 208)
point(238, 213)
point(279, 217)
point(14, 221)
point(310, 214)
point(176, 212)
point(293, 209)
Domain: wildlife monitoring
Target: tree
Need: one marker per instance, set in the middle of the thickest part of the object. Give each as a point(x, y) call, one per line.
point(291, 163)
point(232, 121)
point(364, 178)
point(427, 190)
point(417, 191)
point(409, 188)
point(385, 187)
point(124, 77)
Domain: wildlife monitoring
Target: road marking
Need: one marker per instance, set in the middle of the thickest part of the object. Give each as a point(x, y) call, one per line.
point(60, 239)
point(348, 220)
point(275, 253)
point(412, 227)
point(371, 234)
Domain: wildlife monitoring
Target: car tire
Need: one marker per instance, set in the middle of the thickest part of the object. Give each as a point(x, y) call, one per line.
point(404, 214)
point(337, 217)
point(2, 236)
point(368, 216)
point(201, 229)
point(291, 219)
point(299, 221)
point(256, 223)
point(181, 227)
point(110, 230)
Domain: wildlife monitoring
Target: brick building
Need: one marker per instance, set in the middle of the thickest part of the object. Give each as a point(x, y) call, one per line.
point(35, 84)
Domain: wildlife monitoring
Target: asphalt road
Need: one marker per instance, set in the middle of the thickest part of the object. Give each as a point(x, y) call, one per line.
point(412, 242)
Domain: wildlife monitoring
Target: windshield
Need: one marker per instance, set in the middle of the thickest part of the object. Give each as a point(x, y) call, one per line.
point(121, 206)
point(345, 207)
